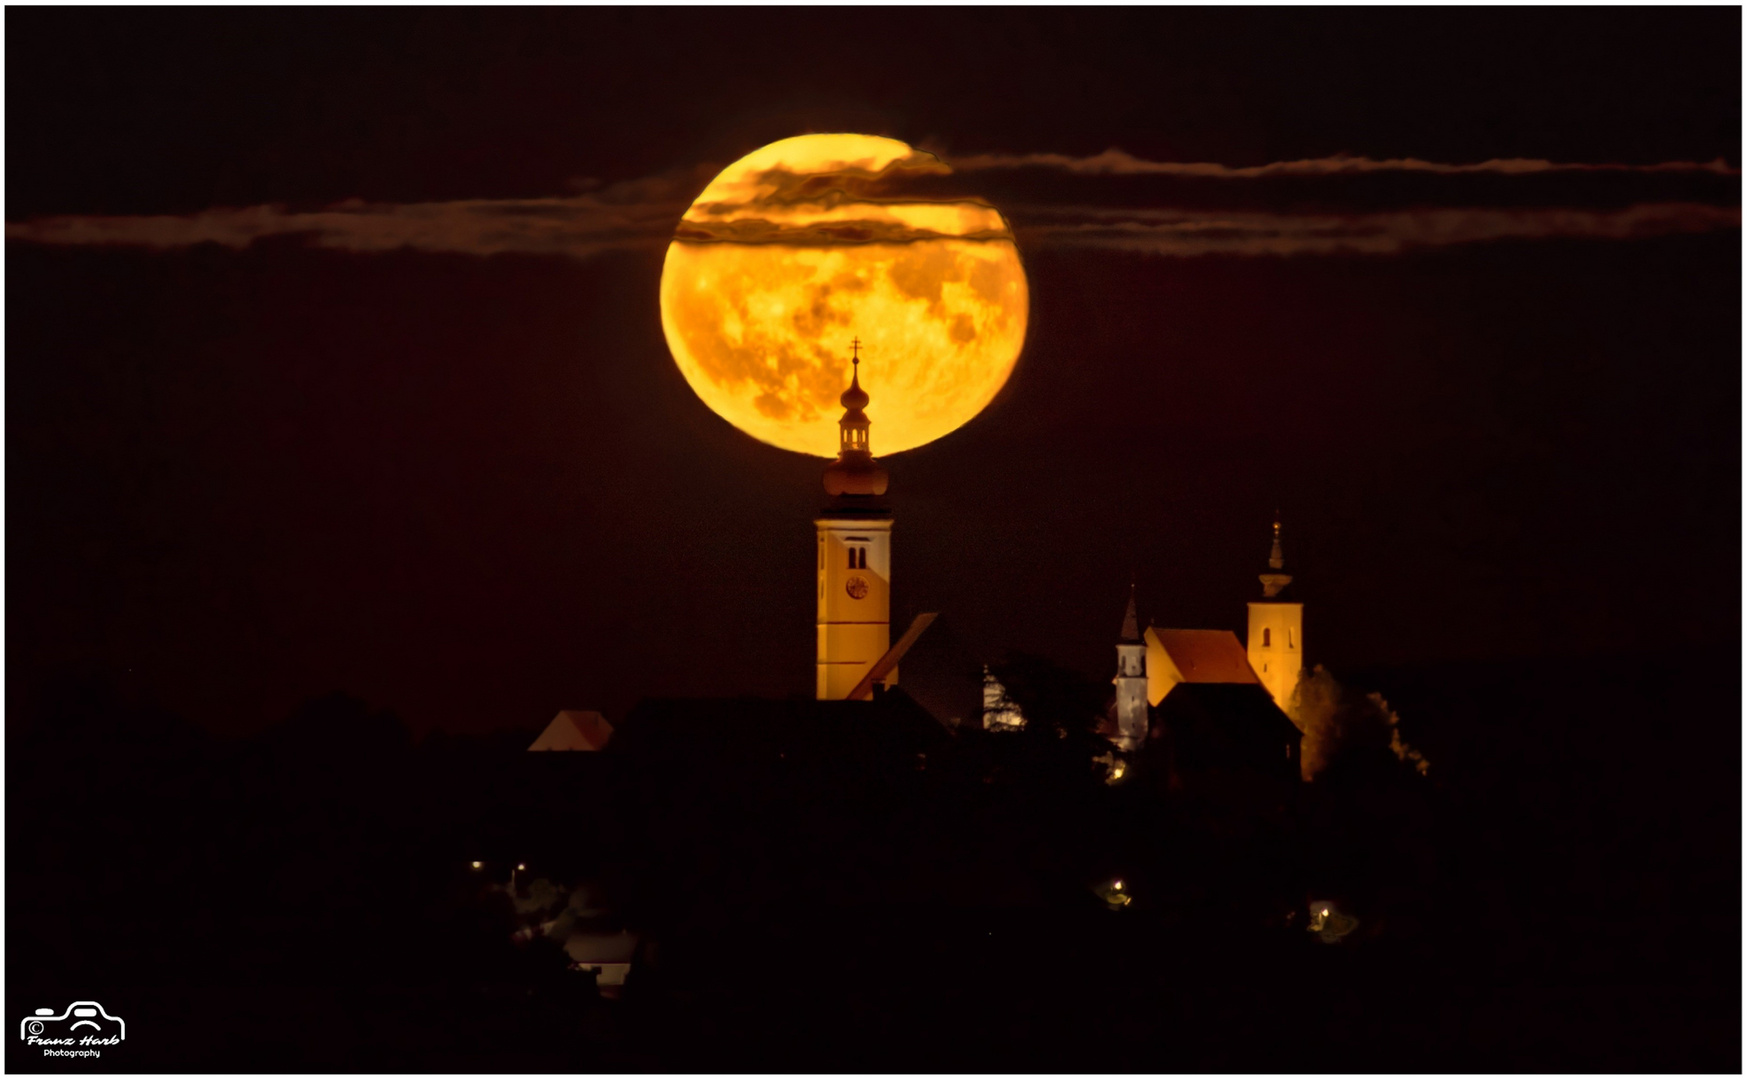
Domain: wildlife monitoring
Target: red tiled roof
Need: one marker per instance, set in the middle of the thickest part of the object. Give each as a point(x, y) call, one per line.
point(575, 729)
point(1206, 656)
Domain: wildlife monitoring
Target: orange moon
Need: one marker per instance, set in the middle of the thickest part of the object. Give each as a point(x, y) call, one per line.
point(803, 244)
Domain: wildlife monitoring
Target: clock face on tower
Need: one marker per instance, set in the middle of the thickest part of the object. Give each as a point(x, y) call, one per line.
point(857, 587)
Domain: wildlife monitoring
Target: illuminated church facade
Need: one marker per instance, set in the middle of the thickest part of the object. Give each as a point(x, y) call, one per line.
point(854, 562)
point(1276, 639)
point(1272, 657)
point(1218, 703)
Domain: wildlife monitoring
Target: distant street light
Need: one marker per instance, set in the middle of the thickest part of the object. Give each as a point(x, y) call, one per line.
point(1114, 895)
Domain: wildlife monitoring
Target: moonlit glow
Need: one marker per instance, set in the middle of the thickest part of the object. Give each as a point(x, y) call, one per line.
point(803, 244)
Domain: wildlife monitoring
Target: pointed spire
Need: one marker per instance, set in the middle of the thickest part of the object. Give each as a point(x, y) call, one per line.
point(1131, 627)
point(1275, 560)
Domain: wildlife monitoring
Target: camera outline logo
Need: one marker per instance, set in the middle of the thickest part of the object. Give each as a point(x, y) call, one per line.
point(88, 1019)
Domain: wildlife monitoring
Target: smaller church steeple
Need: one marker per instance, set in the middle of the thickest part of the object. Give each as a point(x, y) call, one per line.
point(1274, 581)
point(1276, 646)
point(1131, 681)
point(1131, 633)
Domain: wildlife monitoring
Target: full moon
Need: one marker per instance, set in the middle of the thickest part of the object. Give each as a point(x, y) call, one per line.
point(809, 242)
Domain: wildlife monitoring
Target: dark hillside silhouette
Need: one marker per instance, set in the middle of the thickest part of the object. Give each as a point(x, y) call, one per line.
point(853, 884)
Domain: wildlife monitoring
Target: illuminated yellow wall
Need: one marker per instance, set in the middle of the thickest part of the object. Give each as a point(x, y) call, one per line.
point(1278, 661)
point(1162, 674)
point(854, 604)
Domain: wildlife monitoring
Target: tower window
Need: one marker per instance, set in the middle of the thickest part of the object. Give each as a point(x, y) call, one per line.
point(852, 558)
point(1265, 637)
point(862, 558)
point(1289, 637)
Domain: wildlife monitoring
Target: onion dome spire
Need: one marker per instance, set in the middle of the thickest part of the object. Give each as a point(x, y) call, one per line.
point(855, 472)
point(855, 399)
point(1274, 581)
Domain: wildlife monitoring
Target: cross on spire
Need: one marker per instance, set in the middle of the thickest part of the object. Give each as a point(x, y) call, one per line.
point(855, 350)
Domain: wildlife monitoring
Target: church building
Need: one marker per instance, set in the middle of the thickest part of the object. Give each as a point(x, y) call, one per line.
point(1218, 703)
point(1130, 707)
point(1236, 696)
point(854, 587)
point(1276, 644)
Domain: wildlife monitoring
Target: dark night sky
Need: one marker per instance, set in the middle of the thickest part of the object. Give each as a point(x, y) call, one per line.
point(476, 489)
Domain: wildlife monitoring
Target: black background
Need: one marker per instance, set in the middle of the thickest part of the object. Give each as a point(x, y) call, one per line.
point(476, 490)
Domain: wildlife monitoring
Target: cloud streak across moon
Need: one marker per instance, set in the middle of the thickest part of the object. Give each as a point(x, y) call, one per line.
point(640, 215)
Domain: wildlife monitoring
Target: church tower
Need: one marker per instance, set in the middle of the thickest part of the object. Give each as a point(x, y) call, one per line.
point(854, 556)
point(1131, 681)
point(1277, 631)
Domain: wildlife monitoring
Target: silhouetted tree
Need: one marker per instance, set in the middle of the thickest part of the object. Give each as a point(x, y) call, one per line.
point(1339, 724)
